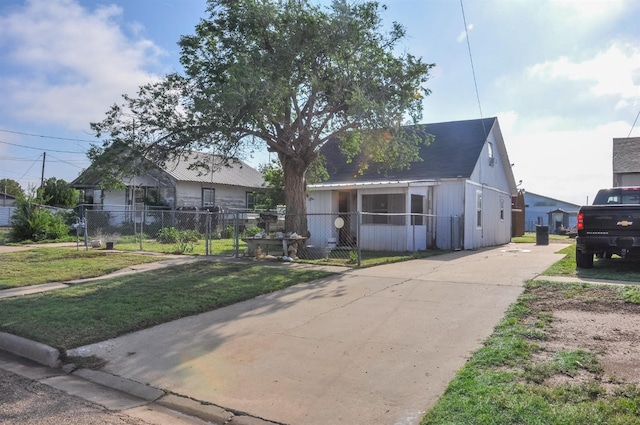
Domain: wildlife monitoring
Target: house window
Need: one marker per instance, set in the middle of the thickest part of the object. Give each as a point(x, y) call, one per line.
point(479, 208)
point(417, 208)
point(208, 197)
point(492, 158)
point(502, 209)
point(380, 207)
point(253, 199)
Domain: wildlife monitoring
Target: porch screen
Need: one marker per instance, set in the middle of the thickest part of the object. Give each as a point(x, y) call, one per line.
point(382, 209)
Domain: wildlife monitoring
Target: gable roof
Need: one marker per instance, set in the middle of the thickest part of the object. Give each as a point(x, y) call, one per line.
point(453, 153)
point(530, 196)
point(236, 174)
point(626, 155)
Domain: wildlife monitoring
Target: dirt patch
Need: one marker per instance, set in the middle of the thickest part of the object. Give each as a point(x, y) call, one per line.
point(595, 320)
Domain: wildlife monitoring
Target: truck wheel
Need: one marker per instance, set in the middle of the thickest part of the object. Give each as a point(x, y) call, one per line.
point(584, 260)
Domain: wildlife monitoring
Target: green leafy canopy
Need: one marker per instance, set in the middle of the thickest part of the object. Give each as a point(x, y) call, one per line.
point(284, 74)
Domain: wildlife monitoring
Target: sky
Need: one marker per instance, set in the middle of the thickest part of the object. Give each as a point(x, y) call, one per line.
point(562, 76)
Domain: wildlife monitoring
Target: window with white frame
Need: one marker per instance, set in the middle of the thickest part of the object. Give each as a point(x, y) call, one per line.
point(208, 197)
point(492, 158)
point(479, 208)
point(381, 207)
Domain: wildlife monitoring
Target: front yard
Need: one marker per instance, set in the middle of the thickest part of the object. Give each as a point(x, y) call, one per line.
point(565, 353)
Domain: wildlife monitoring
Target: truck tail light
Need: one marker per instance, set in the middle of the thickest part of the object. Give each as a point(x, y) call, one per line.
point(580, 225)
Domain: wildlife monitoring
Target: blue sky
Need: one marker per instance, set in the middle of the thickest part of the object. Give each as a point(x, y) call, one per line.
point(562, 76)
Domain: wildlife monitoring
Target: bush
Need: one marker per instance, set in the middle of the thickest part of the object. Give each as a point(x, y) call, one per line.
point(173, 235)
point(36, 223)
point(168, 235)
point(252, 231)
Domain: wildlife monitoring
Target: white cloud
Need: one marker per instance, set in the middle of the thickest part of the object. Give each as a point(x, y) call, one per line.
point(611, 72)
point(567, 165)
point(68, 63)
point(588, 12)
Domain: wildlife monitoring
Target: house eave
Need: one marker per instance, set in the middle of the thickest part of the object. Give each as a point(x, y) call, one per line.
point(359, 185)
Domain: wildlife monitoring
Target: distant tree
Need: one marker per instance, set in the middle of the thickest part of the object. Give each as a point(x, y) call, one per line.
point(11, 187)
point(285, 73)
point(274, 187)
point(273, 176)
point(57, 193)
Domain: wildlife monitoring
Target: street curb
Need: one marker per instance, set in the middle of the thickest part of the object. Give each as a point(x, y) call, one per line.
point(31, 350)
point(208, 412)
point(124, 385)
point(191, 407)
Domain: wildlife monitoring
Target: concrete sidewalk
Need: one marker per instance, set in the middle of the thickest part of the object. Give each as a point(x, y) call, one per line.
point(371, 346)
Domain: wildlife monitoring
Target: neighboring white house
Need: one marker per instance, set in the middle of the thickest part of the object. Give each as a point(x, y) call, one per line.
point(465, 177)
point(7, 207)
point(177, 186)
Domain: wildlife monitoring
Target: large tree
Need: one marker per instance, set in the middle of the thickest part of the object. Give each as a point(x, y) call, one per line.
point(282, 74)
point(56, 192)
point(11, 187)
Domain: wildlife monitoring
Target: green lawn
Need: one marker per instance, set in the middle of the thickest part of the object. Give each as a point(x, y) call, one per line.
point(42, 265)
point(97, 311)
point(530, 237)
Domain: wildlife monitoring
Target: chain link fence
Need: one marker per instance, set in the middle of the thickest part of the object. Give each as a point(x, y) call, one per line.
point(342, 236)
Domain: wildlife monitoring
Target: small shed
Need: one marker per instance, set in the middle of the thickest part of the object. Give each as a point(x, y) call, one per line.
point(561, 220)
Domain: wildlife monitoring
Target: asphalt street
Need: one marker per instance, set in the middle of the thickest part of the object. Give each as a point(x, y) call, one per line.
point(24, 401)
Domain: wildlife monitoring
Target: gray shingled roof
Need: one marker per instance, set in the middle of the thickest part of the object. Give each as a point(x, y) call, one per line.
point(236, 174)
point(453, 153)
point(626, 155)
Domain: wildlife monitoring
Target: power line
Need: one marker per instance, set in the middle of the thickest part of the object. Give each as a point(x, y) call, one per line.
point(66, 162)
point(634, 124)
point(47, 137)
point(473, 70)
point(25, 173)
point(40, 149)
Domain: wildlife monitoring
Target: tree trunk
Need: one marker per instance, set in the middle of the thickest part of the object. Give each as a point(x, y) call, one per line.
point(295, 195)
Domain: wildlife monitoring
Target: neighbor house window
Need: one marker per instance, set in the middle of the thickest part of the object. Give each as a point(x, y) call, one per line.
point(208, 197)
point(253, 199)
point(417, 209)
point(381, 206)
point(479, 208)
point(502, 209)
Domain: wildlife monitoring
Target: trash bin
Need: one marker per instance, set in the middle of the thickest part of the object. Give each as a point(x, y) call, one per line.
point(542, 235)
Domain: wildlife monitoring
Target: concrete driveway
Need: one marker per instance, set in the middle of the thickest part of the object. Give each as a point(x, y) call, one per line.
point(371, 346)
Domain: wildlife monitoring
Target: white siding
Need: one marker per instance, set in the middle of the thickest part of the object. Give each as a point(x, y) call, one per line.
point(189, 194)
point(494, 230)
point(321, 226)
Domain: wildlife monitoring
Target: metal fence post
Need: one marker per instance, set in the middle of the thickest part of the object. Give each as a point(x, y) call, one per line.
point(208, 242)
point(358, 241)
point(236, 243)
point(142, 216)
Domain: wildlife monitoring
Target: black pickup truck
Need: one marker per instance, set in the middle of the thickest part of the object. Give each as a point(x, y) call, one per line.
point(610, 226)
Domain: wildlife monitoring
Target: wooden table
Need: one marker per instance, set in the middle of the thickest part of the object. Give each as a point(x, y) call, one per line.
point(254, 243)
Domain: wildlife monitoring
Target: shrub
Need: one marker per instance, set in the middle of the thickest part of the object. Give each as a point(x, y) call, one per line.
point(173, 235)
point(252, 231)
point(168, 235)
point(36, 223)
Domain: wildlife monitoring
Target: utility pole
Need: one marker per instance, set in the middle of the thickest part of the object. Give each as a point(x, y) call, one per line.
point(44, 159)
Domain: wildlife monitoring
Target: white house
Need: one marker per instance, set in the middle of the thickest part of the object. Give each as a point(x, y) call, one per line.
point(177, 185)
point(460, 193)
